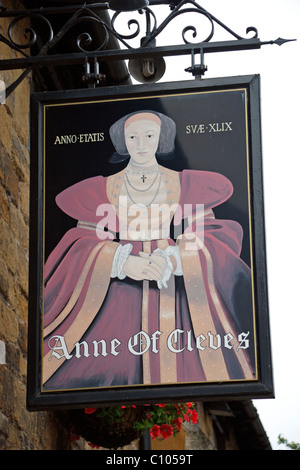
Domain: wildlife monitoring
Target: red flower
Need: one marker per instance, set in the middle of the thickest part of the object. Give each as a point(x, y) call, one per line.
point(154, 431)
point(177, 422)
point(194, 416)
point(94, 446)
point(74, 437)
point(166, 430)
point(123, 407)
point(161, 405)
point(89, 411)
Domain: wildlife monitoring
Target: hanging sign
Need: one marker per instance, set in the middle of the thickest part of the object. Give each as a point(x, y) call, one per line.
point(147, 258)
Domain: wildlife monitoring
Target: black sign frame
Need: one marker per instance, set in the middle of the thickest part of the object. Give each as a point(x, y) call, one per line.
point(262, 386)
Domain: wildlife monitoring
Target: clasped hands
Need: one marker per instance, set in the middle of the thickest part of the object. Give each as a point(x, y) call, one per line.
point(146, 266)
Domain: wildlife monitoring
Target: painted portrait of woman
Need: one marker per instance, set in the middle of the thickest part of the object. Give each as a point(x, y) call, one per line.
point(149, 279)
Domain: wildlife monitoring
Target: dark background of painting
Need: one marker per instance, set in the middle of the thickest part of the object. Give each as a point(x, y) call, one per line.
point(222, 152)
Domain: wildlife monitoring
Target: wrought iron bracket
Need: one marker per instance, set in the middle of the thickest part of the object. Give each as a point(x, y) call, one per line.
point(37, 52)
point(92, 79)
point(197, 70)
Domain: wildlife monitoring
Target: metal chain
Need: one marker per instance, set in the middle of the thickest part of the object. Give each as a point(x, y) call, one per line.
point(139, 204)
point(141, 190)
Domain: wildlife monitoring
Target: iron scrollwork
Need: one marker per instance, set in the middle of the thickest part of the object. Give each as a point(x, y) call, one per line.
point(181, 8)
point(100, 28)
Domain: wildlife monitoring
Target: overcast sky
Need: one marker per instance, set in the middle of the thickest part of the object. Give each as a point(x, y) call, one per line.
point(279, 69)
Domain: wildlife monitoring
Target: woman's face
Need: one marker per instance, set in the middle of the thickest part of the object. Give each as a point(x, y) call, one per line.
point(141, 138)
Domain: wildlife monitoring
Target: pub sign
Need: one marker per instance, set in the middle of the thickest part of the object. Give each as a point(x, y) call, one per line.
point(147, 258)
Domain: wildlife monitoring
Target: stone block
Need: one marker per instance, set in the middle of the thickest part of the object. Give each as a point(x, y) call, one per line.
point(2, 353)
point(9, 325)
point(18, 226)
point(8, 175)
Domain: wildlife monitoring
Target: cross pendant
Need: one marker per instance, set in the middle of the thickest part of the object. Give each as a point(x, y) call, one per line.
point(143, 178)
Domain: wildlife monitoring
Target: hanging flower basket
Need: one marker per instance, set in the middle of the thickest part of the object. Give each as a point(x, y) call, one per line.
point(111, 427)
point(115, 427)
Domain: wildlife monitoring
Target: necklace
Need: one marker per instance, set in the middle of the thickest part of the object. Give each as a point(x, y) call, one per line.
point(141, 205)
point(135, 169)
point(143, 178)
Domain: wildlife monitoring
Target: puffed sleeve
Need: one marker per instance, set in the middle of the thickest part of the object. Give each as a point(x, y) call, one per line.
point(82, 200)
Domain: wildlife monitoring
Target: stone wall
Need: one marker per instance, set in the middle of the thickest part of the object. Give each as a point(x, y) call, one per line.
point(19, 429)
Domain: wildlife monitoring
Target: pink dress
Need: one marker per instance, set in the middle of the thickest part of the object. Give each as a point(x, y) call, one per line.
point(200, 328)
